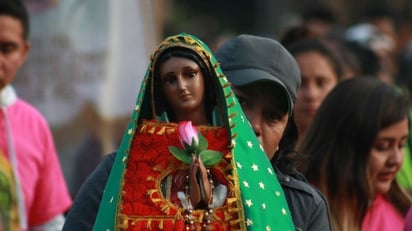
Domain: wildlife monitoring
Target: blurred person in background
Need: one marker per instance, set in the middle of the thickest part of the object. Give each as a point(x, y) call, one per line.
point(366, 59)
point(321, 21)
point(355, 147)
point(320, 70)
point(367, 35)
point(33, 194)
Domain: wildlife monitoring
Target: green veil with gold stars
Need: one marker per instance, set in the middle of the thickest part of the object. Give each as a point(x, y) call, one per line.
point(263, 202)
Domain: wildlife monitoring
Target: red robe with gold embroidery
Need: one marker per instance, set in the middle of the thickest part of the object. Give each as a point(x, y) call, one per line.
point(154, 176)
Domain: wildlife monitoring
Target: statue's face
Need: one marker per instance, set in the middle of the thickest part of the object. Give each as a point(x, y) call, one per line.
point(183, 85)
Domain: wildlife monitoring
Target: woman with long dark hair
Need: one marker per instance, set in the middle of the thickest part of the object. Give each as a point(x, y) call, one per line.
point(355, 147)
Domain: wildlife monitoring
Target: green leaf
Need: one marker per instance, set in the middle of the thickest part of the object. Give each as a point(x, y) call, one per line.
point(180, 154)
point(210, 157)
point(202, 142)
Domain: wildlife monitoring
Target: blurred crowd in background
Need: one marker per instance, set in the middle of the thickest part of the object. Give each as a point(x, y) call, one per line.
point(88, 57)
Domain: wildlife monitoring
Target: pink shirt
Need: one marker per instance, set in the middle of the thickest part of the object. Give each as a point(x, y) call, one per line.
point(382, 216)
point(408, 220)
point(44, 188)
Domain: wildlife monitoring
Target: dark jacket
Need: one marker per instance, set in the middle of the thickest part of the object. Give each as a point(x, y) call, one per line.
point(308, 207)
point(82, 215)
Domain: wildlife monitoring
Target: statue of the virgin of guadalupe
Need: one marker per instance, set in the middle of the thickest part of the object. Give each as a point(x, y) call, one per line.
point(189, 159)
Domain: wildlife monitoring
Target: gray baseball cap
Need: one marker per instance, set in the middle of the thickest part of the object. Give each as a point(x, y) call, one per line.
point(248, 58)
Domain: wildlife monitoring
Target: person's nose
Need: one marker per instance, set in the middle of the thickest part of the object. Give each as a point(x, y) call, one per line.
point(309, 92)
point(396, 157)
point(255, 119)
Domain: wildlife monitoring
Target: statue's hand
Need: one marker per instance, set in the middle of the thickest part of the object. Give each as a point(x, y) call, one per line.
point(200, 188)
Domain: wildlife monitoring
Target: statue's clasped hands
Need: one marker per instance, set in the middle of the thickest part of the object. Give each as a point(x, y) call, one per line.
point(195, 153)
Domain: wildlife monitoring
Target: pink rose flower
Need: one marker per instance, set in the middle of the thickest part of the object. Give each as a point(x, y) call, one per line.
point(194, 145)
point(187, 134)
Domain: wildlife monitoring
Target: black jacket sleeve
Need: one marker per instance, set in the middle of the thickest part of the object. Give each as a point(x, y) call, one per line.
point(309, 208)
point(82, 215)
